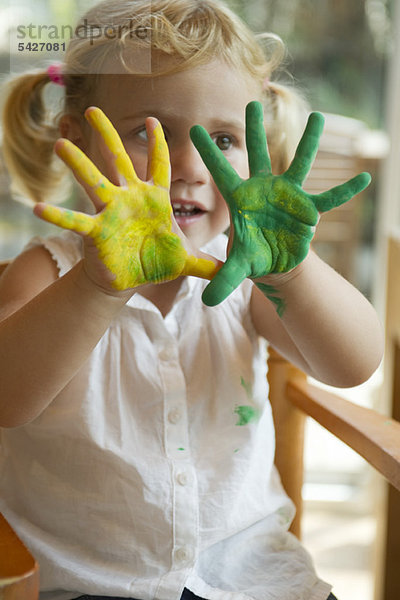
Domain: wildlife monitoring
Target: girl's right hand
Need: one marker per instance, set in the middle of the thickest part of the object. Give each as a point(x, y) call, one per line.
point(133, 239)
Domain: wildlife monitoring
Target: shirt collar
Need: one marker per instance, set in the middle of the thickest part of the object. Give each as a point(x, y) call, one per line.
point(215, 247)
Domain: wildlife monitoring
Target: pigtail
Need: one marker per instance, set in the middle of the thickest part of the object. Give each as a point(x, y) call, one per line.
point(28, 139)
point(286, 113)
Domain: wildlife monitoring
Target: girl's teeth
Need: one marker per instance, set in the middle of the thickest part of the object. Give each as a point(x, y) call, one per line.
point(184, 209)
point(179, 206)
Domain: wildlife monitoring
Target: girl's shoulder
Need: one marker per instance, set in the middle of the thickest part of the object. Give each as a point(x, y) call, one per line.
point(65, 249)
point(39, 265)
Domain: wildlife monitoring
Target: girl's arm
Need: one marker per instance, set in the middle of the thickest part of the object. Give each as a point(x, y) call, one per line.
point(48, 327)
point(303, 307)
point(325, 325)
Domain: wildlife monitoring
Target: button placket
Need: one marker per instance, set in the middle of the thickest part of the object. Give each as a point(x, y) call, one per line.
point(167, 352)
point(183, 554)
point(186, 516)
point(183, 478)
point(175, 415)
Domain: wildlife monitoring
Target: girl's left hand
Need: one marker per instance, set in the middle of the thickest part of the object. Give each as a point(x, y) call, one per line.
point(134, 234)
point(273, 219)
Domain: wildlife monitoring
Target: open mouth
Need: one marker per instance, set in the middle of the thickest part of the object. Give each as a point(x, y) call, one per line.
point(186, 213)
point(185, 210)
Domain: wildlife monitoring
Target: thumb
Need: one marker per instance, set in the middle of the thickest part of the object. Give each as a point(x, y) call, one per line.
point(228, 278)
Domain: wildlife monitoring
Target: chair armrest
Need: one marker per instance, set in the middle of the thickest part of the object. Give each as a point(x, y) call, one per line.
point(3, 265)
point(372, 435)
point(19, 572)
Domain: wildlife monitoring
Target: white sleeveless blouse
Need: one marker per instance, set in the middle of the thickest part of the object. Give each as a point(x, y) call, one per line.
point(146, 475)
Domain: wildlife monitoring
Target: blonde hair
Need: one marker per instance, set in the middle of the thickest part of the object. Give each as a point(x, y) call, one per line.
point(192, 32)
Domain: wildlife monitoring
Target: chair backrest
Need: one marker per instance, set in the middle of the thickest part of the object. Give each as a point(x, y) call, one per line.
point(392, 349)
point(390, 583)
point(346, 148)
point(3, 265)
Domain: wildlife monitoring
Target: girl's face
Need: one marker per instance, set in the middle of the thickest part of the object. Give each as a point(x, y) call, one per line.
point(214, 96)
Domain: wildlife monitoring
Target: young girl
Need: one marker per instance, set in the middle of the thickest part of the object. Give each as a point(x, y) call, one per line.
point(137, 439)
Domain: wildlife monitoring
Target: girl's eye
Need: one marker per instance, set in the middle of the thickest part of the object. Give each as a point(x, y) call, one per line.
point(142, 134)
point(223, 141)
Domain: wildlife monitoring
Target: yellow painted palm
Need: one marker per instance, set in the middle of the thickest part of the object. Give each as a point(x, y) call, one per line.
point(133, 230)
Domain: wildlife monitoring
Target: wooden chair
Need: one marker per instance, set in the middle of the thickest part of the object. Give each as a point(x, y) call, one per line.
point(373, 436)
point(388, 584)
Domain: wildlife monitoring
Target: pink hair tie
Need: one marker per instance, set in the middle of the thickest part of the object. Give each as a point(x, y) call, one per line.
point(266, 83)
point(54, 72)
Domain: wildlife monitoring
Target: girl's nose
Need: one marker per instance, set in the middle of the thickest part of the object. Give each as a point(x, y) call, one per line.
point(187, 165)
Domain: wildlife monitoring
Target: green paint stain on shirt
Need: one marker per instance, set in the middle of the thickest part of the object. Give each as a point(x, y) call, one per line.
point(246, 414)
point(181, 449)
point(247, 387)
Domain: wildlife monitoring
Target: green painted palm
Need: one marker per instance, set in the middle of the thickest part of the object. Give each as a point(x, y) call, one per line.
point(273, 218)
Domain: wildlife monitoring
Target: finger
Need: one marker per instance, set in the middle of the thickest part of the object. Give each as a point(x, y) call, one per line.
point(159, 164)
point(65, 218)
point(98, 204)
point(110, 169)
point(224, 175)
point(103, 125)
point(256, 140)
point(205, 268)
point(307, 149)
point(84, 170)
point(341, 193)
point(228, 278)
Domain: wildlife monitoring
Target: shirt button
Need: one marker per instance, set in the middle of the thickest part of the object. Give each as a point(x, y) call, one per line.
point(183, 554)
point(166, 352)
point(174, 416)
point(182, 478)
